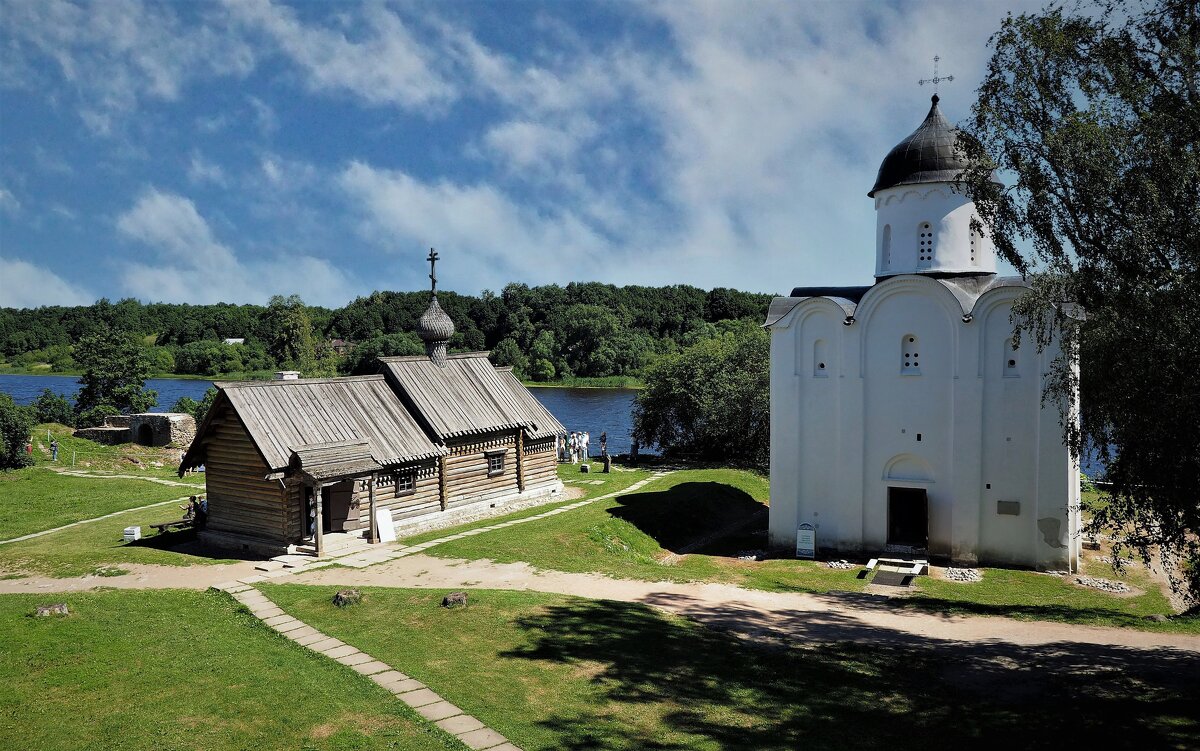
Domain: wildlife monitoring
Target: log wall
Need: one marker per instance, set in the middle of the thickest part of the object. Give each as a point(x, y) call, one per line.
point(466, 469)
point(424, 499)
point(540, 463)
point(239, 499)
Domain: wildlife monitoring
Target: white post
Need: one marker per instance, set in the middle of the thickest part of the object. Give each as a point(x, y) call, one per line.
point(320, 520)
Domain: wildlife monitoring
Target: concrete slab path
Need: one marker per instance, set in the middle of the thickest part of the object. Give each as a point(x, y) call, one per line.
point(425, 701)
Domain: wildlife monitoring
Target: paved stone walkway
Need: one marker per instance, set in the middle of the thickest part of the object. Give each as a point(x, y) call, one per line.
point(412, 692)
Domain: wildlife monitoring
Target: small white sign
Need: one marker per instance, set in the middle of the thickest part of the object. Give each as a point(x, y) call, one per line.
point(383, 522)
point(806, 541)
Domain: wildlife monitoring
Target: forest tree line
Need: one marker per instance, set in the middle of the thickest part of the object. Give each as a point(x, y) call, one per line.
point(547, 333)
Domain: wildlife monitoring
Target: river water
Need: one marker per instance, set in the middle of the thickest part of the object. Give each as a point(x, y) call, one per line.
point(593, 410)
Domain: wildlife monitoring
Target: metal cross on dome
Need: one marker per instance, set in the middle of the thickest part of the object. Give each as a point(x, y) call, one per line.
point(433, 257)
point(936, 79)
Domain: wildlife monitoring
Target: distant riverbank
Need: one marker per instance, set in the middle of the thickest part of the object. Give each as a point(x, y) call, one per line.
point(600, 382)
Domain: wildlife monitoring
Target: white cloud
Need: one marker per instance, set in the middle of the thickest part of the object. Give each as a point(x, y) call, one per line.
point(8, 202)
point(200, 170)
point(115, 53)
point(494, 239)
point(264, 116)
point(24, 285)
point(383, 63)
point(189, 264)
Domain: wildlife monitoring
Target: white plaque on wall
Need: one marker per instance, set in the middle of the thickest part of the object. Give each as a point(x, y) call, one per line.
point(806, 541)
point(383, 522)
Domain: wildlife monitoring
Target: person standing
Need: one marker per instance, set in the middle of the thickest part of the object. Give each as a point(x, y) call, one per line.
point(604, 443)
point(587, 439)
point(53, 449)
point(572, 446)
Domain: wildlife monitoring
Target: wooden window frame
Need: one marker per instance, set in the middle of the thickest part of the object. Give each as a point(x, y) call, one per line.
point(495, 455)
point(401, 478)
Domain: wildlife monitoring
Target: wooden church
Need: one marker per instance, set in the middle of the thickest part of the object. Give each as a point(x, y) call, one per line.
point(429, 439)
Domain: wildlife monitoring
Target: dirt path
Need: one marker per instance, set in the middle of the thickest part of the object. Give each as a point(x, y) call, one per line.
point(140, 576)
point(159, 480)
point(846, 617)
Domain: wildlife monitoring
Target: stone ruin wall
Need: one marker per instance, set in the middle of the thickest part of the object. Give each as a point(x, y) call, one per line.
point(149, 429)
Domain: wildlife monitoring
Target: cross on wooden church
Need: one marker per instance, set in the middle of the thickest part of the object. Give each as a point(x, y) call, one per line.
point(936, 79)
point(433, 257)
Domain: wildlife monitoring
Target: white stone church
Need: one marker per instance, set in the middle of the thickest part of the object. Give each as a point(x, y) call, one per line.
point(902, 418)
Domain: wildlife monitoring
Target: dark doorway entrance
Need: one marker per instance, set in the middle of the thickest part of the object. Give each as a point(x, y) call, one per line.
point(336, 507)
point(145, 435)
point(908, 517)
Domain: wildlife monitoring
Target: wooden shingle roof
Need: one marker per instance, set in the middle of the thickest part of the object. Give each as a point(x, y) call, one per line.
point(327, 461)
point(545, 424)
point(467, 396)
point(283, 416)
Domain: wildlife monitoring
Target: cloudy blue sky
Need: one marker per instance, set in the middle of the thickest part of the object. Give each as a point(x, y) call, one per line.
point(227, 151)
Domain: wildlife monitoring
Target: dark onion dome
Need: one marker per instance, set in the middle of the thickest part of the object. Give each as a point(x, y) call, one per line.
point(434, 325)
point(929, 155)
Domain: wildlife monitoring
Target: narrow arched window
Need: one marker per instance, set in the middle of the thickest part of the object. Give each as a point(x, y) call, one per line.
point(1010, 359)
point(820, 363)
point(887, 247)
point(910, 351)
point(924, 243)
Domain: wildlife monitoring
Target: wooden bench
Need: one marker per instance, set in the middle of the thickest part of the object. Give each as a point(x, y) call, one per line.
point(177, 524)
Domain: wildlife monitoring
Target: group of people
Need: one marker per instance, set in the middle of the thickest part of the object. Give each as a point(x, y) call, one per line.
point(576, 447)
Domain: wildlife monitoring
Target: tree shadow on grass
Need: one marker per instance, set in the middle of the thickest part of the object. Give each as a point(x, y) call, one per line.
point(669, 684)
point(688, 512)
point(1049, 612)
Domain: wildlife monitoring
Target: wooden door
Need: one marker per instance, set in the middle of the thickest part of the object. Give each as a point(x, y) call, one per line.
point(339, 517)
point(908, 517)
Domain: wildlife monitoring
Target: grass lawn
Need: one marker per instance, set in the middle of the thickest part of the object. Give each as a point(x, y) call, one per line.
point(553, 672)
point(635, 535)
point(1033, 596)
point(181, 670)
point(592, 485)
point(98, 548)
point(96, 458)
point(35, 498)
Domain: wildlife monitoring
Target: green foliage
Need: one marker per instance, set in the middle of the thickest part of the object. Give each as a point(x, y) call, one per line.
point(50, 407)
point(364, 359)
point(115, 370)
point(94, 416)
point(197, 409)
point(587, 330)
point(289, 332)
point(1096, 112)
point(162, 360)
point(711, 401)
point(186, 405)
point(508, 353)
point(209, 357)
point(16, 424)
point(206, 402)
